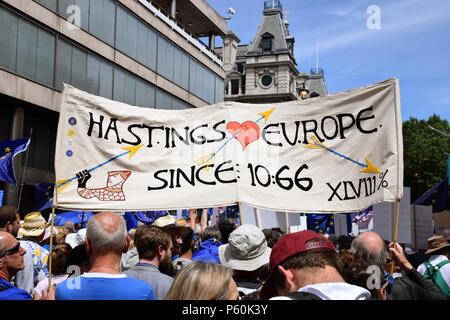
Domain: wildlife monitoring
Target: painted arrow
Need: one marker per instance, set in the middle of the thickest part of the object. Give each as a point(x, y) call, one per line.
point(368, 167)
point(209, 159)
point(62, 184)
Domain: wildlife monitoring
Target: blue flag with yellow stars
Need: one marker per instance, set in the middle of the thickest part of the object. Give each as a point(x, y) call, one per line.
point(321, 223)
point(148, 217)
point(437, 197)
point(130, 220)
point(43, 196)
point(8, 151)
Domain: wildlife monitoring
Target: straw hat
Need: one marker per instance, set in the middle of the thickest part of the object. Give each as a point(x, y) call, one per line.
point(33, 225)
point(436, 243)
point(164, 221)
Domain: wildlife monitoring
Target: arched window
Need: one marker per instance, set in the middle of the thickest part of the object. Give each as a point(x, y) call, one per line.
point(266, 42)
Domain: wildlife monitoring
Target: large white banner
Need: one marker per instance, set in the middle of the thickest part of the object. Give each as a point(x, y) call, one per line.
point(338, 153)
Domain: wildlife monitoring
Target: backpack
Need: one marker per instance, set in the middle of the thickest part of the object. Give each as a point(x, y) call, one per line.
point(434, 274)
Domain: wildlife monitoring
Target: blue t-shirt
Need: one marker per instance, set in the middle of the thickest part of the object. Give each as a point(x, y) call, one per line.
point(104, 286)
point(12, 293)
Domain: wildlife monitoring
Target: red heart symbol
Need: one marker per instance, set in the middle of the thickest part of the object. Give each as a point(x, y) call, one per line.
point(248, 132)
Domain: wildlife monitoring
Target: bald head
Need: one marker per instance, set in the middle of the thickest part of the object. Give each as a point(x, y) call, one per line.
point(11, 262)
point(369, 247)
point(107, 232)
point(6, 241)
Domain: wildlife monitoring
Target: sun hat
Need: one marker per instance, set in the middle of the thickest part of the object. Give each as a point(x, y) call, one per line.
point(164, 221)
point(289, 245)
point(33, 225)
point(76, 239)
point(436, 243)
point(246, 249)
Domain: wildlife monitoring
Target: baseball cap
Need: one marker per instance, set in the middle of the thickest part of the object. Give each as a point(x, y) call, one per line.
point(289, 245)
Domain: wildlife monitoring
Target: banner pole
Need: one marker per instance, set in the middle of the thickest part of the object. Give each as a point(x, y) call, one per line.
point(258, 219)
point(240, 213)
point(287, 222)
point(51, 249)
point(395, 234)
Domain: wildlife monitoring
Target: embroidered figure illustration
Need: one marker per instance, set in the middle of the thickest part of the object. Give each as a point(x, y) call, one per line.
point(113, 190)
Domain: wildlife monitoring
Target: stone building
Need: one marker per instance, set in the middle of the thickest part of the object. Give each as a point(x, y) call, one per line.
point(265, 70)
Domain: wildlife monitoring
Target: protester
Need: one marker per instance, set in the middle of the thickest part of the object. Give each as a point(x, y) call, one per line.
point(11, 261)
point(35, 258)
point(305, 265)
point(370, 249)
point(9, 220)
point(106, 239)
point(209, 247)
point(226, 227)
point(437, 267)
point(369, 277)
point(175, 235)
point(155, 249)
point(131, 257)
point(203, 281)
point(429, 292)
point(59, 256)
point(186, 249)
point(77, 261)
point(69, 226)
point(246, 252)
point(344, 242)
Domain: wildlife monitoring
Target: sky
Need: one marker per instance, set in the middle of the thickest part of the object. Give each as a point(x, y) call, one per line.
point(410, 41)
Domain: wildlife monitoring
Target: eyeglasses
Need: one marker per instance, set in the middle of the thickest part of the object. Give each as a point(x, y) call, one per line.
point(13, 250)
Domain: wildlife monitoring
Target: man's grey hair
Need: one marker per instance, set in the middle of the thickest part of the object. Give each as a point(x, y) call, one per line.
point(104, 241)
point(363, 254)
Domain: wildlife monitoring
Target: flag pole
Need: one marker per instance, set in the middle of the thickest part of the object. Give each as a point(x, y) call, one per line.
point(287, 222)
point(395, 234)
point(258, 218)
point(24, 169)
point(51, 248)
point(240, 213)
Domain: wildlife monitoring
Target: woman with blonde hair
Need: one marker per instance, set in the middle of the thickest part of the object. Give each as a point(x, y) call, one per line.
point(203, 281)
point(59, 256)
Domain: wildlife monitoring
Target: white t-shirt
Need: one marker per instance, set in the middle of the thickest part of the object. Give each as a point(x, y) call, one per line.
point(43, 284)
point(445, 270)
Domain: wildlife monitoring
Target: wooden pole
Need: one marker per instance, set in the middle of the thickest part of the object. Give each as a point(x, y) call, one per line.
point(287, 222)
point(51, 249)
point(395, 234)
point(240, 213)
point(258, 218)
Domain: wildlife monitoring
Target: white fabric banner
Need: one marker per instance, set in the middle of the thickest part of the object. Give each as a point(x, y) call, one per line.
point(338, 153)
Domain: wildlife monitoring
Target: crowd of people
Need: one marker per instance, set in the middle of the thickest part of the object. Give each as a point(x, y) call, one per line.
point(184, 260)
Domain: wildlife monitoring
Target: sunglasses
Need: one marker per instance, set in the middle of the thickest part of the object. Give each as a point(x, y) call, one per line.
point(13, 250)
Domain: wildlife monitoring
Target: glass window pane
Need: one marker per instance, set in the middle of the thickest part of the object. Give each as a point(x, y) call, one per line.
point(106, 80)
point(119, 84)
point(79, 66)
point(130, 89)
point(131, 41)
point(8, 39)
point(45, 62)
point(64, 6)
point(152, 39)
point(102, 15)
point(219, 92)
point(93, 74)
point(51, 4)
point(141, 51)
point(165, 58)
point(181, 65)
point(121, 30)
point(145, 94)
point(26, 49)
point(163, 100)
point(84, 12)
point(63, 64)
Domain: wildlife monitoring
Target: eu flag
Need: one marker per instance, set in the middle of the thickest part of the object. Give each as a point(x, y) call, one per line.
point(321, 223)
point(130, 220)
point(43, 196)
point(148, 217)
point(8, 151)
point(437, 196)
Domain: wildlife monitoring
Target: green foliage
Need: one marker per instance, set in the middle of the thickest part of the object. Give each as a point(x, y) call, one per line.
point(425, 153)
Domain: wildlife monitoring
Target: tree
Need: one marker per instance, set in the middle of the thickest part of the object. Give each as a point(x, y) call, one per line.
point(424, 153)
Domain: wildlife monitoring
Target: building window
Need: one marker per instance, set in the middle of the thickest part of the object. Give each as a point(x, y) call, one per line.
point(267, 42)
point(235, 86)
point(266, 80)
